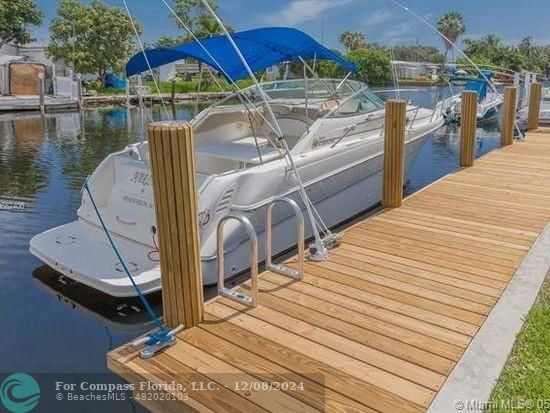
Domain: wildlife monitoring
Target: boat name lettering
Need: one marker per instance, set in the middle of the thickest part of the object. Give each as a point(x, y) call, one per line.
point(204, 217)
point(138, 202)
point(143, 178)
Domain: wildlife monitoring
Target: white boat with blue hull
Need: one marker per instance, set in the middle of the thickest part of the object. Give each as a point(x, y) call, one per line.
point(334, 130)
point(489, 100)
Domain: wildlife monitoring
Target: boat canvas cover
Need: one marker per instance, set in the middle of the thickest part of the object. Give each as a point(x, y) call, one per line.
point(261, 48)
point(479, 86)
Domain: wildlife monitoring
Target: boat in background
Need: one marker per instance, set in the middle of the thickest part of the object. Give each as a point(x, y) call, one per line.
point(334, 130)
point(488, 100)
point(544, 112)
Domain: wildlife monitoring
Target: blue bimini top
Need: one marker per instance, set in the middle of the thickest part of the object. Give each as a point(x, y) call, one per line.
point(261, 48)
point(479, 85)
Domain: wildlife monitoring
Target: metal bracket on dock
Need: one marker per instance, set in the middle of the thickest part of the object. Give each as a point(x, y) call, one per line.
point(154, 347)
point(279, 268)
point(250, 300)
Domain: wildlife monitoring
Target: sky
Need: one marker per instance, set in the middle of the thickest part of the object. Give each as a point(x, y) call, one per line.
point(379, 20)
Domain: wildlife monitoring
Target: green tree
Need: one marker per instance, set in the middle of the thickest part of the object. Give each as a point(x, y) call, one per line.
point(374, 65)
point(452, 26)
point(194, 15)
point(535, 57)
point(15, 18)
point(168, 41)
point(95, 38)
point(418, 53)
point(490, 50)
point(352, 40)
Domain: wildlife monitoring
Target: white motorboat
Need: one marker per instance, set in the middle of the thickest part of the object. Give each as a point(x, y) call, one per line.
point(334, 129)
point(544, 111)
point(488, 100)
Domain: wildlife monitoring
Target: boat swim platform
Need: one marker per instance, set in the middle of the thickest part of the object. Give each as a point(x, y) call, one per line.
point(380, 326)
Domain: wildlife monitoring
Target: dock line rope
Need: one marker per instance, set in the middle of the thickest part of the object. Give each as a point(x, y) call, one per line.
point(162, 335)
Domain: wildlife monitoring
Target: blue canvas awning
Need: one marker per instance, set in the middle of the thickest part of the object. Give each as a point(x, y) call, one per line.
point(261, 48)
point(479, 86)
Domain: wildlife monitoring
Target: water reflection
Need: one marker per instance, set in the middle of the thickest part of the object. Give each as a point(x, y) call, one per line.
point(121, 314)
point(22, 170)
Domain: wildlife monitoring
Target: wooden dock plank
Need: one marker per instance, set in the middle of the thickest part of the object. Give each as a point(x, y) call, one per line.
point(449, 349)
point(366, 310)
point(315, 369)
point(379, 326)
point(302, 343)
point(319, 396)
point(380, 342)
point(431, 281)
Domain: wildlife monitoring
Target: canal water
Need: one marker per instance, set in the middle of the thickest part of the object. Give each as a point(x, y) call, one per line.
point(52, 326)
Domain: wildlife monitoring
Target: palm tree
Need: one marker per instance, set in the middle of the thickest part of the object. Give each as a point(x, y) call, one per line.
point(352, 40)
point(452, 26)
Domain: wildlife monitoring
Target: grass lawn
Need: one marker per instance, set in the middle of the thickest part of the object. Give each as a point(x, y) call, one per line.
point(525, 380)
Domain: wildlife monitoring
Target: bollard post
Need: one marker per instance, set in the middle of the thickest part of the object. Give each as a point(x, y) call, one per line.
point(173, 170)
point(173, 92)
point(468, 119)
point(394, 142)
point(79, 94)
point(41, 91)
point(534, 106)
point(508, 116)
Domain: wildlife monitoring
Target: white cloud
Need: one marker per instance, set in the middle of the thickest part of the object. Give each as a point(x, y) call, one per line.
point(378, 17)
point(300, 11)
point(398, 31)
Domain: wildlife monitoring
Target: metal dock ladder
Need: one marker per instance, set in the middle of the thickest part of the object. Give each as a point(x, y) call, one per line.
point(251, 300)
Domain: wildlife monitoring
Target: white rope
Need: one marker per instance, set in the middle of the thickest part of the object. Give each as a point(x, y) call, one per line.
point(146, 58)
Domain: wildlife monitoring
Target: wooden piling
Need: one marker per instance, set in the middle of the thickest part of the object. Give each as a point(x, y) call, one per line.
point(79, 94)
point(42, 92)
point(508, 116)
point(394, 142)
point(534, 106)
point(173, 92)
point(173, 169)
point(468, 119)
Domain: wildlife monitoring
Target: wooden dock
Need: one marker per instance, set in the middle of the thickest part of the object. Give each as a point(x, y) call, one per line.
point(381, 325)
point(32, 102)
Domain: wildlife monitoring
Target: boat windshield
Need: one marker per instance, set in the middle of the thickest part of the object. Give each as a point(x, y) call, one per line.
point(318, 90)
point(363, 101)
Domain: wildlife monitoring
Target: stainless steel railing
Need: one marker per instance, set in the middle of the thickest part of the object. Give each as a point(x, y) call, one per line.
point(250, 300)
point(279, 268)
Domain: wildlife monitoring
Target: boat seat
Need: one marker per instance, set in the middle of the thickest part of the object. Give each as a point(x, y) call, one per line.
point(242, 150)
